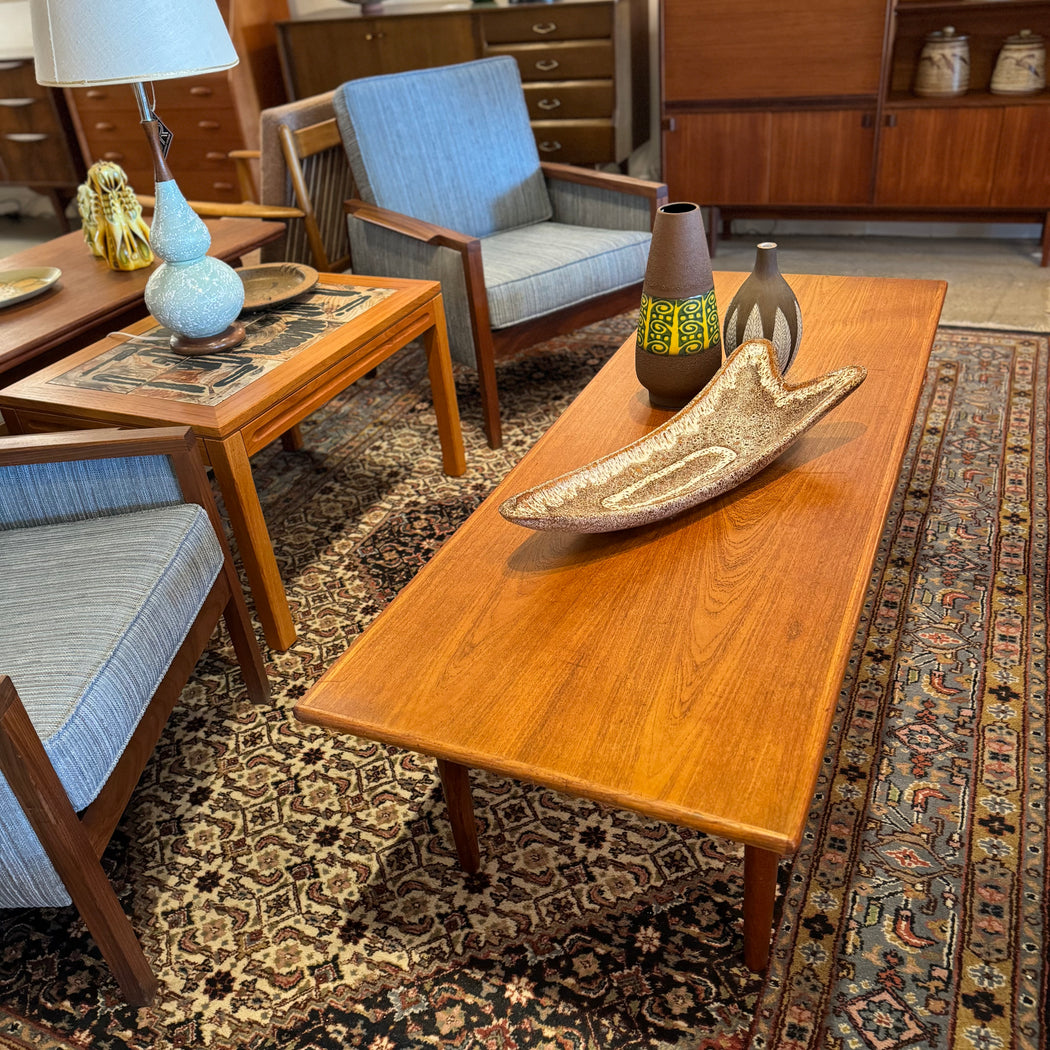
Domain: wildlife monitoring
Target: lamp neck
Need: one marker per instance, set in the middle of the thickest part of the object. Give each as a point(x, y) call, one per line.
point(161, 171)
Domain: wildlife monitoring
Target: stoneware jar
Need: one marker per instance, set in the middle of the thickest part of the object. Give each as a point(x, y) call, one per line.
point(944, 64)
point(765, 307)
point(679, 346)
point(1021, 66)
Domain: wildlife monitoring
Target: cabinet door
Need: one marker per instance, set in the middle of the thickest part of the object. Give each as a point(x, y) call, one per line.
point(821, 157)
point(752, 49)
point(1022, 169)
point(938, 157)
point(422, 41)
point(320, 55)
point(718, 158)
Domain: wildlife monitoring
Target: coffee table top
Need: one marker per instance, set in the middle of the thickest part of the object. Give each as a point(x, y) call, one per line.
point(89, 291)
point(132, 377)
point(688, 669)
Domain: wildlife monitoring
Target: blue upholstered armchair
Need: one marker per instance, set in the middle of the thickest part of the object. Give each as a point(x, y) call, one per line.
point(113, 575)
point(451, 188)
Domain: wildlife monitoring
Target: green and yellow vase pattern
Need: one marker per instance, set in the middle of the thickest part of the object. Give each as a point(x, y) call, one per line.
point(679, 326)
point(679, 344)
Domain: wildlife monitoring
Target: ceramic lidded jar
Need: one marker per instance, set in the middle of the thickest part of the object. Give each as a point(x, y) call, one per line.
point(678, 349)
point(1020, 68)
point(944, 64)
point(765, 307)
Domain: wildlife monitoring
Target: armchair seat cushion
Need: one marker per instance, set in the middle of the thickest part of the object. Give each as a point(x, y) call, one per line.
point(91, 615)
point(534, 270)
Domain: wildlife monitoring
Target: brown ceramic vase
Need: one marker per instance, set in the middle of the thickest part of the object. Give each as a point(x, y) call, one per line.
point(765, 307)
point(678, 349)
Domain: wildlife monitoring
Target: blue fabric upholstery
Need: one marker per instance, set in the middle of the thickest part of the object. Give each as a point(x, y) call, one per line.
point(535, 270)
point(91, 614)
point(451, 145)
point(50, 492)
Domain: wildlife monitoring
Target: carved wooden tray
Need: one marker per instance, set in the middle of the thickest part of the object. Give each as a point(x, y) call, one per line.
point(739, 423)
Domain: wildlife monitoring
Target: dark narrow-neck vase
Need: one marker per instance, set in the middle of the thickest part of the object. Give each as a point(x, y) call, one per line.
point(679, 343)
point(765, 307)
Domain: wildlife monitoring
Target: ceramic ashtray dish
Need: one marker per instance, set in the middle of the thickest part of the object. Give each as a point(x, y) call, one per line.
point(16, 285)
point(271, 284)
point(739, 423)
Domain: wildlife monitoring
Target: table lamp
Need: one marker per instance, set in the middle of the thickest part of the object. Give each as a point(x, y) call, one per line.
point(80, 43)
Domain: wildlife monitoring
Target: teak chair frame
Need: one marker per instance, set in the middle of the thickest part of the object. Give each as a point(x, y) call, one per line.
point(75, 843)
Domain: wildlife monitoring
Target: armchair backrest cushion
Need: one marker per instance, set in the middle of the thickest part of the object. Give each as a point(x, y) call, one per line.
point(39, 493)
point(451, 145)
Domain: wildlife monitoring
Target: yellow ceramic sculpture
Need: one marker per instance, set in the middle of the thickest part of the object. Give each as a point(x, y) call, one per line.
point(112, 218)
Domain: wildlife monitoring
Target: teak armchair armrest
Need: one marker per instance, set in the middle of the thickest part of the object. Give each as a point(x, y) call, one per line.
point(244, 210)
point(418, 229)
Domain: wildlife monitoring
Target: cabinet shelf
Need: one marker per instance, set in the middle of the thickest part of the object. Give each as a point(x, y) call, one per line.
point(972, 99)
point(918, 7)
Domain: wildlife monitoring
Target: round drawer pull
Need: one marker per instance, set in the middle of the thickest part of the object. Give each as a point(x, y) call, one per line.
point(549, 103)
point(222, 185)
point(113, 155)
point(374, 36)
point(214, 154)
point(16, 103)
point(545, 65)
point(25, 136)
point(549, 146)
point(543, 28)
point(103, 125)
point(201, 91)
point(96, 93)
point(208, 125)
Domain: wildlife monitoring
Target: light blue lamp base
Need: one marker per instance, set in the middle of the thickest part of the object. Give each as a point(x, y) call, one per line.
point(194, 294)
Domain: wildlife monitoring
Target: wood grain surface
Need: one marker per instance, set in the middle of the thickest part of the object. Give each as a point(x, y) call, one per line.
point(687, 669)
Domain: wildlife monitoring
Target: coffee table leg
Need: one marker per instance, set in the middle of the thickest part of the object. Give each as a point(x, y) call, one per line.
point(443, 389)
point(229, 460)
point(760, 889)
point(455, 782)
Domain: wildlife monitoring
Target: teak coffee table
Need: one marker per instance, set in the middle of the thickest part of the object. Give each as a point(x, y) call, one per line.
point(296, 357)
point(688, 669)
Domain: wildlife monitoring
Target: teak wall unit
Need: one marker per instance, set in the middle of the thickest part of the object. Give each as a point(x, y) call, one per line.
point(584, 63)
point(807, 110)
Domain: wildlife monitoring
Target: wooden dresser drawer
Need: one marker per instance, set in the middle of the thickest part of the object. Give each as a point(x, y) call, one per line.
point(37, 157)
point(575, 141)
point(570, 99)
point(574, 60)
point(546, 23)
point(18, 80)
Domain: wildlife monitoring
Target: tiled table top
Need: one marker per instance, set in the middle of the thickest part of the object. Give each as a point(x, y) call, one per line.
point(145, 364)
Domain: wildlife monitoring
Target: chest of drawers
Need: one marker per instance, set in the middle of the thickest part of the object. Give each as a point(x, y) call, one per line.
point(203, 120)
point(36, 143)
point(584, 63)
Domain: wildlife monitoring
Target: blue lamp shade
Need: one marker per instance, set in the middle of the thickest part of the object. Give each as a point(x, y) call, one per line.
point(77, 43)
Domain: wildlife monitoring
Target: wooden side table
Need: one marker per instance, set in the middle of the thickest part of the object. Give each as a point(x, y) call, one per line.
point(296, 358)
point(90, 299)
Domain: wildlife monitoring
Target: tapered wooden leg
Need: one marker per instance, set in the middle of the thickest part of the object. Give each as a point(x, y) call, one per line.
point(292, 440)
point(233, 472)
point(443, 390)
point(760, 890)
point(46, 805)
point(1045, 260)
point(455, 782)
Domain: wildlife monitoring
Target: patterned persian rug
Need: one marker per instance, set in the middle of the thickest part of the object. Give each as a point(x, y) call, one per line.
point(298, 890)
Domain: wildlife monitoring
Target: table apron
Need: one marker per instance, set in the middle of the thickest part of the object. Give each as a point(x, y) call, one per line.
point(300, 403)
